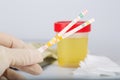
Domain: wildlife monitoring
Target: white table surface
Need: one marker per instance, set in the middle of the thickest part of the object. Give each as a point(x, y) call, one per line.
point(55, 72)
point(60, 73)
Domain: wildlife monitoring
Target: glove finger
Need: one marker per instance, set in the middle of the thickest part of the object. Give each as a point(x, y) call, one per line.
point(34, 69)
point(11, 42)
point(12, 75)
point(24, 57)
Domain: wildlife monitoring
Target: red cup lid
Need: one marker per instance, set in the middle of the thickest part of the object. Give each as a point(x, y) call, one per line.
point(58, 26)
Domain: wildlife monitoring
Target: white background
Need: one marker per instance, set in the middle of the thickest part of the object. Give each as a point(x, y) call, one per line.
point(34, 19)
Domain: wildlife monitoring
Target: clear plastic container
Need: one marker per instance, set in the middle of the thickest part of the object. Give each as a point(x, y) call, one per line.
point(72, 49)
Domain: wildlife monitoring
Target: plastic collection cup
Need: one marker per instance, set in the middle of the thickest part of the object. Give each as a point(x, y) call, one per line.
point(74, 48)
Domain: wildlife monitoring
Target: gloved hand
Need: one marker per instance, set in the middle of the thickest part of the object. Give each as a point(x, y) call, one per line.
point(15, 53)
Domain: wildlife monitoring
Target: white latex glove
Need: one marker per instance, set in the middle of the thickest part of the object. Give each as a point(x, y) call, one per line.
point(15, 53)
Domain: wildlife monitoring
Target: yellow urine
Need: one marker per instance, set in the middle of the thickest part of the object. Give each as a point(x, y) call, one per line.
point(71, 51)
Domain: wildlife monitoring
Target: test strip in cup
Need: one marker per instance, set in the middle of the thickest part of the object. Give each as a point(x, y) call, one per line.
point(58, 38)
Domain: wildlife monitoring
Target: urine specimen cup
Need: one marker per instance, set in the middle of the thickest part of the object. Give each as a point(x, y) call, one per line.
point(74, 48)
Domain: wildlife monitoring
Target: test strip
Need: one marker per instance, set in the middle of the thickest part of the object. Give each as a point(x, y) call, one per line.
point(57, 38)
